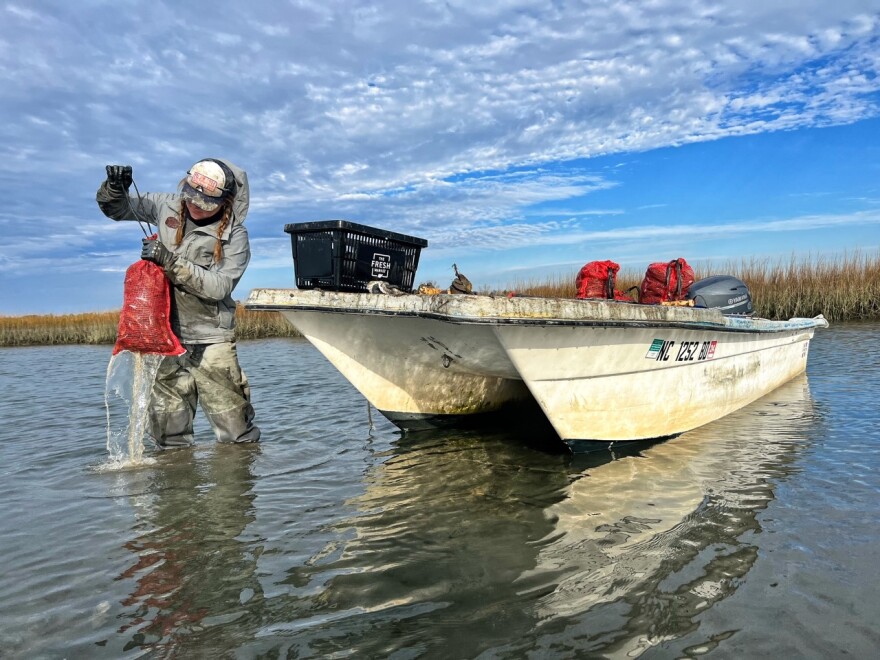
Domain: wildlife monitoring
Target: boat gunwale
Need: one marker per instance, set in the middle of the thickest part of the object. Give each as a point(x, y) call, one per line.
point(728, 324)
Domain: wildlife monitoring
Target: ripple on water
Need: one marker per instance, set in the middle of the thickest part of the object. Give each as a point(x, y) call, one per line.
point(332, 537)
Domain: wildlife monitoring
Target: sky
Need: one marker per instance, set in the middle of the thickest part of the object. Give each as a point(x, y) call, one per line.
point(522, 139)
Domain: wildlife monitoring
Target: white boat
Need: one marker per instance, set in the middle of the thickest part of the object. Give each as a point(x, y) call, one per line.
point(599, 370)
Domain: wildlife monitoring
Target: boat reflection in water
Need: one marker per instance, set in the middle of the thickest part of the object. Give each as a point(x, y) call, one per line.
point(430, 556)
point(655, 539)
point(464, 544)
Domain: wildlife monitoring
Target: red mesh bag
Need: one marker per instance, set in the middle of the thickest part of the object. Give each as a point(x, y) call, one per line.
point(144, 325)
point(666, 281)
point(596, 280)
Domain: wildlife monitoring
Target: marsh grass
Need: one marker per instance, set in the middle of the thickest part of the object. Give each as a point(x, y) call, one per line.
point(51, 329)
point(845, 288)
point(261, 325)
point(100, 328)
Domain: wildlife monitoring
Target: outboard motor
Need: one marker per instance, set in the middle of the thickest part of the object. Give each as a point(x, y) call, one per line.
point(725, 292)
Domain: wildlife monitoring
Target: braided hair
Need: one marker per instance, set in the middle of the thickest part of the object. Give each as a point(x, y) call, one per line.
point(224, 222)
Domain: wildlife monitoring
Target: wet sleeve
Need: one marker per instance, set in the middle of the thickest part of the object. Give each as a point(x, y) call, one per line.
point(219, 280)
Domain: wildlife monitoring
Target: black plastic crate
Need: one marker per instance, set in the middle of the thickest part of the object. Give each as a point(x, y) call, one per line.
point(339, 255)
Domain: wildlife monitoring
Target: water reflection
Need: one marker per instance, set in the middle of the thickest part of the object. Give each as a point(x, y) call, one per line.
point(326, 541)
point(643, 545)
point(463, 543)
point(193, 574)
point(467, 543)
point(429, 562)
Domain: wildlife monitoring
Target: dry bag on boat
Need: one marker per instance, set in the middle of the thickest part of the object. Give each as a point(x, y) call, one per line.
point(144, 325)
point(665, 281)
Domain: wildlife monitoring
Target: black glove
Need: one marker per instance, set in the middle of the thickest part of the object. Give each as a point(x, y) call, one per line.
point(153, 250)
point(119, 177)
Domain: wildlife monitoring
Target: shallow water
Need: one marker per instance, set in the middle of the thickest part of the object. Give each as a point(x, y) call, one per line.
point(753, 536)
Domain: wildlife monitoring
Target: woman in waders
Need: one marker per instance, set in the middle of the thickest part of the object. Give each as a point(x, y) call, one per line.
point(203, 248)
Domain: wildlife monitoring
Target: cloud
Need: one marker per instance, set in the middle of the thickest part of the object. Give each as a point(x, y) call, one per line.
point(471, 241)
point(445, 119)
point(366, 96)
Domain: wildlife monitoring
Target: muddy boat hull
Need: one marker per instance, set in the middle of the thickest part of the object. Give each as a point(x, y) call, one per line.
point(599, 371)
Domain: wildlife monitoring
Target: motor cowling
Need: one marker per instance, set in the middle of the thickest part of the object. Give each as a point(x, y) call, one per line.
point(724, 292)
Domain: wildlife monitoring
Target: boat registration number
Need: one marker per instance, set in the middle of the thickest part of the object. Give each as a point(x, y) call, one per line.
point(664, 350)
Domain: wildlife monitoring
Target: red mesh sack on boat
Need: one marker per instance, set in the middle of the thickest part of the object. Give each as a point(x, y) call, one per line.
point(666, 281)
point(144, 322)
point(596, 279)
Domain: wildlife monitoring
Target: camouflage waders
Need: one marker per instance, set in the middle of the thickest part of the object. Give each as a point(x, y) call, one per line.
point(208, 375)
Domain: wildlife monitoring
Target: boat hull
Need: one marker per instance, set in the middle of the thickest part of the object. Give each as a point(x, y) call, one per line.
point(598, 370)
point(605, 383)
point(420, 373)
